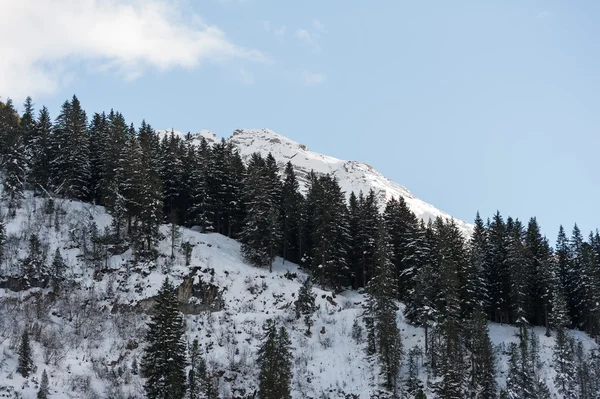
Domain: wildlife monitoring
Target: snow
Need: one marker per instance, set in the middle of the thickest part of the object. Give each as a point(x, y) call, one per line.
point(352, 175)
point(327, 363)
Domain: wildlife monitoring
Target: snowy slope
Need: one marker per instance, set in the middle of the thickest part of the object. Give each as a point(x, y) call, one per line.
point(98, 330)
point(352, 175)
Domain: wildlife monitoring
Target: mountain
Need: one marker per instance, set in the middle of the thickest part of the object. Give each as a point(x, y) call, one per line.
point(352, 175)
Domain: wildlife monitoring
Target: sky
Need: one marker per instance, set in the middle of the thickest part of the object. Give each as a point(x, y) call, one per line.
point(473, 106)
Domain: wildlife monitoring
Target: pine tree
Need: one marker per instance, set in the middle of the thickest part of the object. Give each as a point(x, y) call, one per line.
point(588, 281)
point(2, 240)
point(583, 373)
point(498, 276)
point(538, 256)
point(482, 378)
point(519, 273)
point(164, 361)
point(199, 197)
point(366, 235)
point(477, 286)
point(381, 309)
point(57, 271)
point(574, 289)
point(305, 304)
point(421, 308)
point(12, 161)
point(71, 163)
point(150, 194)
point(449, 355)
point(27, 124)
point(197, 373)
point(291, 215)
point(275, 360)
point(44, 388)
point(564, 364)
point(34, 266)
point(260, 236)
point(523, 380)
point(328, 225)
point(413, 384)
point(39, 152)
point(407, 246)
point(25, 365)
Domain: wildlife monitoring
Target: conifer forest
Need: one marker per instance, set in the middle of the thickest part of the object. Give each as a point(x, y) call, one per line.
point(137, 263)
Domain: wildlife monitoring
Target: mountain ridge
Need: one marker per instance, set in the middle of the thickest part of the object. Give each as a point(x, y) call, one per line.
point(353, 176)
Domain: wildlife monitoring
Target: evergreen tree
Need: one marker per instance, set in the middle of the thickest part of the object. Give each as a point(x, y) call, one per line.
point(305, 304)
point(164, 361)
point(12, 161)
point(498, 282)
point(366, 236)
point(559, 317)
point(44, 388)
point(482, 378)
point(275, 360)
point(199, 197)
point(291, 215)
point(2, 240)
point(421, 308)
point(519, 271)
point(71, 163)
point(574, 290)
point(448, 361)
point(406, 245)
point(39, 152)
point(583, 373)
point(34, 266)
point(25, 365)
point(197, 373)
point(150, 201)
point(477, 286)
point(413, 384)
point(523, 380)
point(542, 282)
point(588, 281)
point(261, 235)
point(564, 364)
point(57, 271)
point(27, 124)
point(329, 232)
point(382, 309)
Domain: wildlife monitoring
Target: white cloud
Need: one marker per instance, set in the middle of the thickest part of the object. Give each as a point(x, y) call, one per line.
point(543, 14)
point(266, 25)
point(43, 41)
point(313, 79)
point(318, 25)
point(304, 36)
point(280, 31)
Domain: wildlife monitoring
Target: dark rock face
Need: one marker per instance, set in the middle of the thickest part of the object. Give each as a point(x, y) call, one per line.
point(193, 298)
point(199, 297)
point(21, 283)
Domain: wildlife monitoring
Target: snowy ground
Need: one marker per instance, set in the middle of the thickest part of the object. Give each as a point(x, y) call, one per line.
point(89, 341)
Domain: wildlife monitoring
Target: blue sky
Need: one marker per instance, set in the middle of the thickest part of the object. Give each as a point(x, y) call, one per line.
point(471, 105)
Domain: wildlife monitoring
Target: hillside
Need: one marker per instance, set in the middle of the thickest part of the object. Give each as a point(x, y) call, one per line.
point(89, 338)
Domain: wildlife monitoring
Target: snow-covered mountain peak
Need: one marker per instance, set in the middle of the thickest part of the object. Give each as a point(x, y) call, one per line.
point(352, 175)
point(264, 138)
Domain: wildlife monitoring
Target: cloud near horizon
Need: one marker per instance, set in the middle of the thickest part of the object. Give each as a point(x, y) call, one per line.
point(45, 42)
